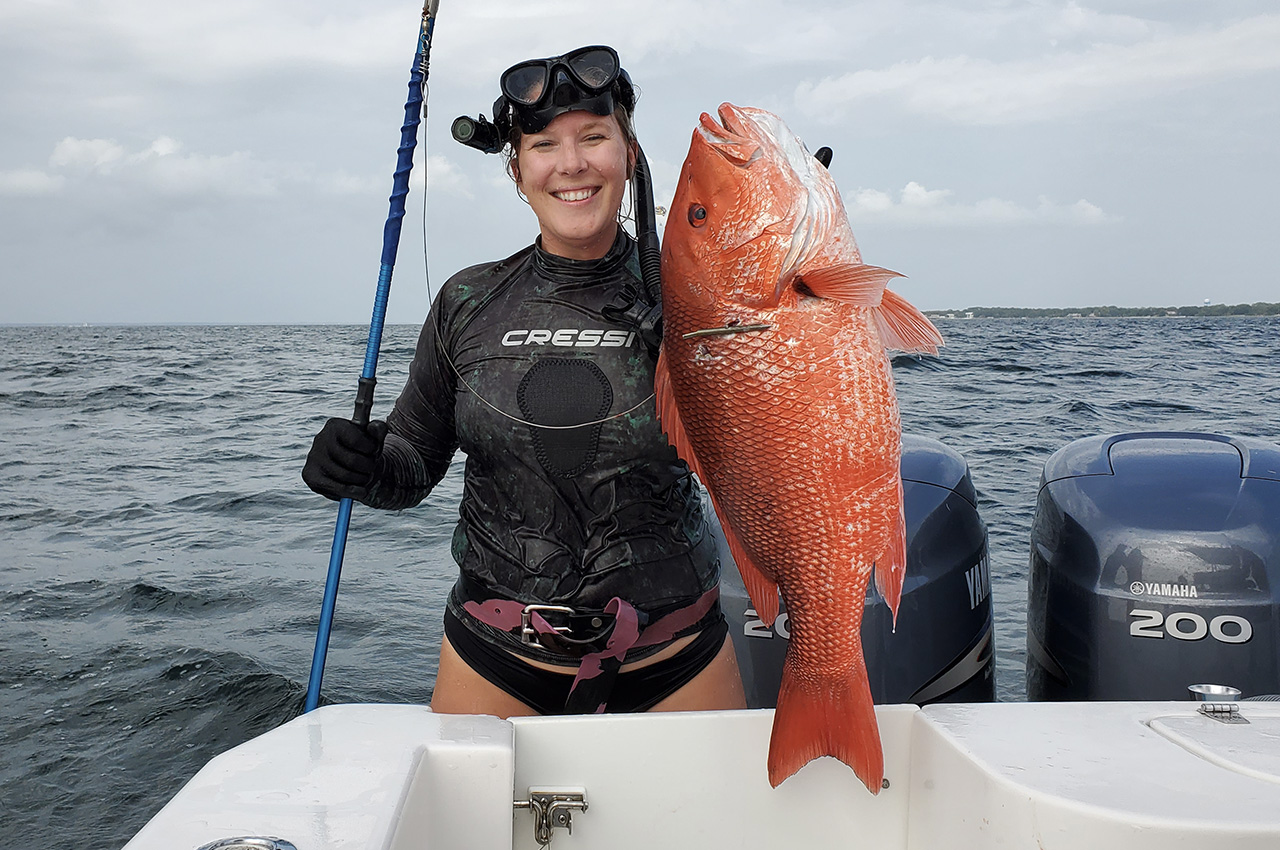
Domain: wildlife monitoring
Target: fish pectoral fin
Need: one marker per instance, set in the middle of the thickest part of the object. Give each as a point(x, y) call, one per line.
point(852, 283)
point(904, 328)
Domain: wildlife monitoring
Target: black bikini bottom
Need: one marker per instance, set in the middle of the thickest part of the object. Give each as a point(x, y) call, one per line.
point(547, 692)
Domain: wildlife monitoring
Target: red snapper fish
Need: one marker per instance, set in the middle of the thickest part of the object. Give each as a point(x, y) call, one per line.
point(774, 386)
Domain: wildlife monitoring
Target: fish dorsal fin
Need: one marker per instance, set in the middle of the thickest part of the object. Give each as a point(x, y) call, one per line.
point(904, 328)
point(762, 590)
point(852, 283)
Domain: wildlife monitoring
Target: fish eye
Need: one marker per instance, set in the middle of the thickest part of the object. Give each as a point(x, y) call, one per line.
point(697, 215)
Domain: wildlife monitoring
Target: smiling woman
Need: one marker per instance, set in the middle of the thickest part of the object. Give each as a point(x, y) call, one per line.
point(573, 175)
point(588, 577)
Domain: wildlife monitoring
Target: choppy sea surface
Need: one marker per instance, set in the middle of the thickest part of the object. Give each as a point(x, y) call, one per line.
point(162, 562)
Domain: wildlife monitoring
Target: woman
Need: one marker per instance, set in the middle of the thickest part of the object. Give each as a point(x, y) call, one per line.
point(588, 577)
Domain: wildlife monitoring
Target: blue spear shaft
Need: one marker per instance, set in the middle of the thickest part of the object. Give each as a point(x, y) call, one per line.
point(364, 394)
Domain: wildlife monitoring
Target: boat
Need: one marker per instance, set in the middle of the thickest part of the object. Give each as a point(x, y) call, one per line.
point(1059, 776)
point(1130, 737)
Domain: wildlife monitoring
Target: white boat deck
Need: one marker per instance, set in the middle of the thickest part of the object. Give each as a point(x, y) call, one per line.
point(1057, 776)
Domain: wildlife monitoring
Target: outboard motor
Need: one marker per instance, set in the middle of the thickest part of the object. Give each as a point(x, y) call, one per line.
point(943, 647)
point(1155, 564)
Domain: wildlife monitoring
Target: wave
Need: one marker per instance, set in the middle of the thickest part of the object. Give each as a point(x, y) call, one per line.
point(142, 597)
point(1153, 404)
point(917, 361)
point(1080, 407)
point(1100, 373)
point(126, 734)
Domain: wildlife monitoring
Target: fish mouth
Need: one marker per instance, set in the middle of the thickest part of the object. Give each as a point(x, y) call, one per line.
point(733, 137)
point(736, 121)
point(718, 132)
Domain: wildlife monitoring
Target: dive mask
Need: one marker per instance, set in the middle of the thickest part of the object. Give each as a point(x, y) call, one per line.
point(534, 92)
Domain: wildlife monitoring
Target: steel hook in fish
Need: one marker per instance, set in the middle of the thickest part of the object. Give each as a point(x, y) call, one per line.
point(727, 329)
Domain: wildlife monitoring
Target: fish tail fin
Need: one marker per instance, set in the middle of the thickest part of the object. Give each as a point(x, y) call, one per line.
point(891, 566)
point(825, 716)
point(904, 328)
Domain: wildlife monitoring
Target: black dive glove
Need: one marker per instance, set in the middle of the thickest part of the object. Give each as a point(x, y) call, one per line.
point(342, 459)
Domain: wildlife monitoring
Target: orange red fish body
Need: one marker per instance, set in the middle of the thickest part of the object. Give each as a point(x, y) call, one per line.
point(773, 384)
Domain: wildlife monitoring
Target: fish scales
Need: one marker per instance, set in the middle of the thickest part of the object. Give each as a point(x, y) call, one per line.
point(793, 429)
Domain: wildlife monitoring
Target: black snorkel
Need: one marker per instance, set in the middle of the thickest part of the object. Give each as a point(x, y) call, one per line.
point(645, 312)
point(589, 78)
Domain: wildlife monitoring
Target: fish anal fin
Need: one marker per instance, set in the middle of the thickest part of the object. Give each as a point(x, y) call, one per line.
point(904, 328)
point(826, 716)
point(852, 283)
point(891, 566)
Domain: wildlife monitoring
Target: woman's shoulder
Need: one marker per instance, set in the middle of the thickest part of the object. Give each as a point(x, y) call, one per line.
point(490, 271)
point(465, 290)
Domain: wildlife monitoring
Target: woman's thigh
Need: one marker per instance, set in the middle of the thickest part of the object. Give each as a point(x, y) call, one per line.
point(717, 687)
point(461, 690)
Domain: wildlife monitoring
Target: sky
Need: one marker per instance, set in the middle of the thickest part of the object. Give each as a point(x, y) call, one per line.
point(230, 162)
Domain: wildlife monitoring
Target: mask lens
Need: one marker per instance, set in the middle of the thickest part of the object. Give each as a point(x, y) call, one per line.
point(595, 67)
point(525, 83)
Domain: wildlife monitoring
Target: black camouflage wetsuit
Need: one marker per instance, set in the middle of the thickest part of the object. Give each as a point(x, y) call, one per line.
point(574, 517)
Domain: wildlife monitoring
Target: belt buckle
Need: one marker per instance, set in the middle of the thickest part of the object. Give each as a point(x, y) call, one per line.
point(528, 634)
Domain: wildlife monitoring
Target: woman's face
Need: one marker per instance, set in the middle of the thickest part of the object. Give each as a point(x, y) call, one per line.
point(574, 173)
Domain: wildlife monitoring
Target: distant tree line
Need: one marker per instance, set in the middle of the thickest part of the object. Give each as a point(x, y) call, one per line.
point(1260, 308)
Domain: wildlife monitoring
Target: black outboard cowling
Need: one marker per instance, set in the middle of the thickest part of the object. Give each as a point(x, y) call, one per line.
point(1155, 565)
point(943, 647)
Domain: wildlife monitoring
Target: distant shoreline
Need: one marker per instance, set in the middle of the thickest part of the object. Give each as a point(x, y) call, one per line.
point(1260, 308)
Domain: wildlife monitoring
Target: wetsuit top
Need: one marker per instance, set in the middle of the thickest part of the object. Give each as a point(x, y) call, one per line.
point(573, 516)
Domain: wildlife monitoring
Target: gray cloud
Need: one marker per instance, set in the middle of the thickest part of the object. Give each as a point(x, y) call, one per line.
point(916, 206)
point(978, 90)
point(232, 161)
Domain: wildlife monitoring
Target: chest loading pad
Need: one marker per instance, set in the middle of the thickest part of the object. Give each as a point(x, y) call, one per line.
point(559, 391)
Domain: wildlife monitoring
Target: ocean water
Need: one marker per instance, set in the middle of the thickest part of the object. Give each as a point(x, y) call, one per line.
point(162, 562)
